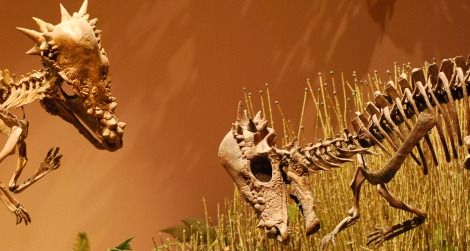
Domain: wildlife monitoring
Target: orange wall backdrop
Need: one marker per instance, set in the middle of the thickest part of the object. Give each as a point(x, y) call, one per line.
point(178, 69)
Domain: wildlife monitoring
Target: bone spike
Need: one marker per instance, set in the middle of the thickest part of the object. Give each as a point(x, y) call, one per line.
point(37, 37)
point(44, 46)
point(257, 117)
point(43, 25)
point(83, 8)
point(262, 125)
point(93, 21)
point(85, 17)
point(48, 37)
point(64, 14)
point(34, 51)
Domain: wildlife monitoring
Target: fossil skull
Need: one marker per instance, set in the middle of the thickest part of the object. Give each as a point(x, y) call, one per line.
point(266, 175)
point(77, 72)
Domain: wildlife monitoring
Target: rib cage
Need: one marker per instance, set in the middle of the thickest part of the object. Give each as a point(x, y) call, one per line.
point(430, 88)
point(18, 92)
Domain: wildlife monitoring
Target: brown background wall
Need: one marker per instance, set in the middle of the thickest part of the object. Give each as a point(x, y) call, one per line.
point(178, 69)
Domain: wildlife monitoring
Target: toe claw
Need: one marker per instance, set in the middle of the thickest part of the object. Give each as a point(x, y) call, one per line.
point(376, 237)
point(22, 215)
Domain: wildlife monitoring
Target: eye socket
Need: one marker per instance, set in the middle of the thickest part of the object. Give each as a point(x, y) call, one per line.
point(261, 168)
point(67, 90)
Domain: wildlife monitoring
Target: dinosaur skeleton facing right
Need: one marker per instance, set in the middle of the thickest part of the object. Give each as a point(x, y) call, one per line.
point(74, 85)
point(422, 100)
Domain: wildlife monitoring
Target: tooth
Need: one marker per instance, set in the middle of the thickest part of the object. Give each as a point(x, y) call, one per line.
point(99, 113)
point(112, 99)
point(89, 111)
point(119, 130)
point(106, 133)
point(122, 124)
point(112, 136)
point(107, 115)
point(112, 106)
point(111, 123)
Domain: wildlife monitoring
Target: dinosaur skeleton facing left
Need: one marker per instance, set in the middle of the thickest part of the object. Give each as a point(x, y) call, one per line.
point(74, 85)
point(424, 99)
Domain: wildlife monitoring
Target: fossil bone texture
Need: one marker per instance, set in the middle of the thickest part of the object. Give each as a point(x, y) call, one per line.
point(74, 85)
point(422, 99)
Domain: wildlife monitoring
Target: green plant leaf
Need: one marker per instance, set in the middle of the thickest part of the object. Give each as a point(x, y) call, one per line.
point(126, 245)
point(82, 243)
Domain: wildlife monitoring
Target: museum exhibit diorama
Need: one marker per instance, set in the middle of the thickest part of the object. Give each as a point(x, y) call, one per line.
point(391, 145)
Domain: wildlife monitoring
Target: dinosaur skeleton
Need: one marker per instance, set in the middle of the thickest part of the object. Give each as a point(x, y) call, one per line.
point(74, 85)
point(423, 100)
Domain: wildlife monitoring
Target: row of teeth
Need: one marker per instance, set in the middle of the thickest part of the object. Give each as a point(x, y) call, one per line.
point(112, 128)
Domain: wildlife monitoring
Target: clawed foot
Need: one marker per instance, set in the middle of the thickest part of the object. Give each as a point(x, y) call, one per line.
point(378, 236)
point(327, 240)
point(51, 162)
point(22, 215)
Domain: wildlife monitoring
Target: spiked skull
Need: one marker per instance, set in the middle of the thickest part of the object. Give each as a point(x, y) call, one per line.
point(266, 175)
point(76, 68)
